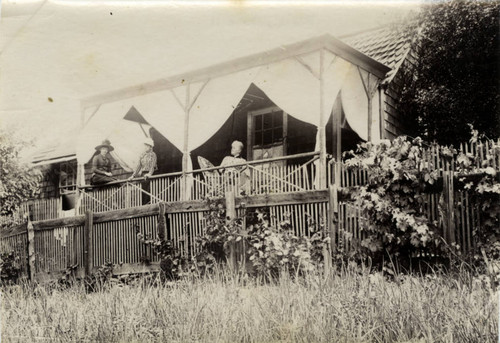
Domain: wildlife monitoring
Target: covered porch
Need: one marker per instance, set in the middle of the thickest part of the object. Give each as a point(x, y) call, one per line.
point(295, 108)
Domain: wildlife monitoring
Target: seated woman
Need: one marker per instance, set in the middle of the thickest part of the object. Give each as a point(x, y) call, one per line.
point(235, 176)
point(101, 164)
point(235, 158)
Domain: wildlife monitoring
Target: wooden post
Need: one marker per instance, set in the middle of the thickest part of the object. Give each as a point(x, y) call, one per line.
point(87, 242)
point(185, 151)
point(31, 250)
point(162, 221)
point(449, 203)
point(231, 215)
point(321, 128)
point(369, 94)
point(381, 112)
point(80, 181)
point(337, 129)
point(333, 209)
point(370, 85)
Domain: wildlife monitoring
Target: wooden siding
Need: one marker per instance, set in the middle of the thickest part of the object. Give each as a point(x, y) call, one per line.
point(393, 120)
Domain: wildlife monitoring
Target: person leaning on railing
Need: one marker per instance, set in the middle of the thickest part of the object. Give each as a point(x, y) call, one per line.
point(101, 164)
point(146, 167)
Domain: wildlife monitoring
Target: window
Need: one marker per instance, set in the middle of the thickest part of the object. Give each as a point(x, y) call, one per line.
point(67, 176)
point(268, 128)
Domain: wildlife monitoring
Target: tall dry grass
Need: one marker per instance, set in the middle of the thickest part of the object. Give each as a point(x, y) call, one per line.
point(350, 306)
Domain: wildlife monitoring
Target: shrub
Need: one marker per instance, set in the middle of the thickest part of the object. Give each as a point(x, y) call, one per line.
point(267, 249)
point(393, 202)
point(10, 271)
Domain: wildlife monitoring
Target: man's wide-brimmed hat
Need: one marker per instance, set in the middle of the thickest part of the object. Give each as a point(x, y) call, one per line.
point(149, 142)
point(105, 144)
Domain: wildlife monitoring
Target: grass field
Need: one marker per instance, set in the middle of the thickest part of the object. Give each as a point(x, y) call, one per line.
point(350, 306)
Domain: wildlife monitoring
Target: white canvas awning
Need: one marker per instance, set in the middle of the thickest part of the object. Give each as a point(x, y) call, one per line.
point(303, 79)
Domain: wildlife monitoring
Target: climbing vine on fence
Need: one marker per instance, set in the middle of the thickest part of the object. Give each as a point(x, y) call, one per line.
point(477, 176)
point(393, 202)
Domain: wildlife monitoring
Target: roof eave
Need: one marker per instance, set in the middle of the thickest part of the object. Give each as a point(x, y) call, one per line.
point(255, 60)
point(52, 160)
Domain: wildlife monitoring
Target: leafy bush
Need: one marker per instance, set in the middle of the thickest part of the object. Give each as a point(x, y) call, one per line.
point(272, 249)
point(10, 271)
point(393, 202)
point(267, 249)
point(172, 263)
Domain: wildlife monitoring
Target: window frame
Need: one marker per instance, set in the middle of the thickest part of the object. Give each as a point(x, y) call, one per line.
point(251, 129)
point(64, 167)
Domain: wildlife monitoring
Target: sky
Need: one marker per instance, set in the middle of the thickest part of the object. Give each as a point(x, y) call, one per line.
point(54, 53)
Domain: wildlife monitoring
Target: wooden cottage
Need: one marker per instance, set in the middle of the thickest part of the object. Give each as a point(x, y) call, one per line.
point(304, 98)
point(296, 108)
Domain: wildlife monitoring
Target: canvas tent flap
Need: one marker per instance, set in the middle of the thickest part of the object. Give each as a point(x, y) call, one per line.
point(355, 103)
point(163, 111)
point(108, 123)
point(293, 84)
point(215, 103)
point(291, 87)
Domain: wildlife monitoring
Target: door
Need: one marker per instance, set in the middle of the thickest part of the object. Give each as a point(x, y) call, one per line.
point(267, 130)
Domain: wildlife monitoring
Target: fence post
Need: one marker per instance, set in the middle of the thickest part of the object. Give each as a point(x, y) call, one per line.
point(231, 214)
point(31, 250)
point(333, 210)
point(87, 242)
point(449, 203)
point(162, 222)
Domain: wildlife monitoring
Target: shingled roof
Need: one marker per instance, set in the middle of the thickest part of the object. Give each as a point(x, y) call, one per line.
point(386, 44)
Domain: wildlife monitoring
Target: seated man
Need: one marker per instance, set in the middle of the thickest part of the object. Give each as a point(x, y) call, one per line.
point(230, 174)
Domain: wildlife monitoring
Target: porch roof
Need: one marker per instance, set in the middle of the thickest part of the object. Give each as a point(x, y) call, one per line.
point(378, 51)
point(325, 41)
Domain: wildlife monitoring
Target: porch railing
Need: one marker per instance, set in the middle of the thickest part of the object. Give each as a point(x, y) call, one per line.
point(286, 174)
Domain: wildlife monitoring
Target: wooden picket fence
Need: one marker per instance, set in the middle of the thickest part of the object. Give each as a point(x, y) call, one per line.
point(461, 217)
point(107, 225)
point(86, 242)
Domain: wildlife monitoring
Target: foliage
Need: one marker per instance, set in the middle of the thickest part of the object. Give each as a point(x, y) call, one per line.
point(268, 249)
point(10, 271)
point(481, 181)
point(271, 249)
point(454, 78)
point(18, 182)
point(172, 264)
point(392, 202)
point(218, 234)
point(100, 278)
point(96, 281)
